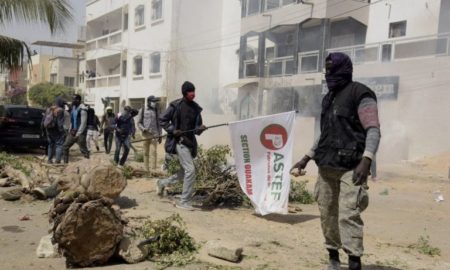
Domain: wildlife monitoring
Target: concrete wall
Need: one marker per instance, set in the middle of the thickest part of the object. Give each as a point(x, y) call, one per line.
point(98, 8)
point(64, 67)
point(421, 16)
point(208, 42)
point(417, 124)
point(40, 71)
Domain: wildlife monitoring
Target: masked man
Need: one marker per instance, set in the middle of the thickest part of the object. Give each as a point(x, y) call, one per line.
point(350, 134)
point(150, 128)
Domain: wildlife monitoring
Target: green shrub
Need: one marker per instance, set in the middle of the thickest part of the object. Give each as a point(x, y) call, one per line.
point(175, 247)
point(44, 94)
point(299, 193)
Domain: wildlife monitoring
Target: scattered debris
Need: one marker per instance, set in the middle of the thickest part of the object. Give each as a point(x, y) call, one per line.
point(6, 182)
point(132, 251)
point(12, 195)
point(25, 217)
point(438, 197)
point(385, 192)
point(217, 182)
point(220, 250)
point(46, 249)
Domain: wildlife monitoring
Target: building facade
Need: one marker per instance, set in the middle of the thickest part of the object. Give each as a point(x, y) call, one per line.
point(139, 48)
point(398, 49)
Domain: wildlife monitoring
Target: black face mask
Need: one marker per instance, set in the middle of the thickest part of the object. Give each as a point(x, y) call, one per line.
point(339, 70)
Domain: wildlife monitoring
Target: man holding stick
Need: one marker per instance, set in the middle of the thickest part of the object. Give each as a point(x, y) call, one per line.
point(182, 121)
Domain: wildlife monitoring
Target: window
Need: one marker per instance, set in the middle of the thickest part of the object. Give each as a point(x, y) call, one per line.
point(124, 68)
point(253, 7)
point(288, 2)
point(69, 81)
point(271, 4)
point(53, 77)
point(139, 16)
point(125, 21)
point(81, 78)
point(137, 66)
point(155, 63)
point(397, 29)
point(157, 10)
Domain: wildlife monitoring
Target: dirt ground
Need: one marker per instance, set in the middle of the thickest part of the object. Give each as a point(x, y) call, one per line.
point(402, 209)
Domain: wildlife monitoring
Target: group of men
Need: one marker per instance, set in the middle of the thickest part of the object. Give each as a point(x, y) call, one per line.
point(79, 125)
point(349, 139)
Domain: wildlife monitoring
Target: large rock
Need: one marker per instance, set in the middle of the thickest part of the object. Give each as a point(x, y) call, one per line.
point(87, 233)
point(46, 249)
point(93, 176)
point(131, 251)
point(222, 251)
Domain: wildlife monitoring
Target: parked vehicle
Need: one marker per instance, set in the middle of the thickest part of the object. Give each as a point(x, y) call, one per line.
point(20, 126)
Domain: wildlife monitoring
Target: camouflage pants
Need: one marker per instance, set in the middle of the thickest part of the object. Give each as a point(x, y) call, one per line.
point(340, 204)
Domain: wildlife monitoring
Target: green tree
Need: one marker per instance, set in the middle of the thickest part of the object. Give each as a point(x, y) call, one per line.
point(54, 13)
point(44, 94)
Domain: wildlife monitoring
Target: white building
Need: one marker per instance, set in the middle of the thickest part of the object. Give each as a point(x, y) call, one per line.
point(399, 49)
point(140, 48)
point(64, 70)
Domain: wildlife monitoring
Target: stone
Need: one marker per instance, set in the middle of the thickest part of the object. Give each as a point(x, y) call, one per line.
point(12, 195)
point(225, 252)
point(88, 234)
point(93, 176)
point(4, 182)
point(46, 249)
point(131, 251)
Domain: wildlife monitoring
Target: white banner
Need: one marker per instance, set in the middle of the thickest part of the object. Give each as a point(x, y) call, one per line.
point(262, 149)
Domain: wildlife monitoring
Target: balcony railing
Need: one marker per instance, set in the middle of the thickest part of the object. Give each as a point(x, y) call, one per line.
point(104, 41)
point(104, 81)
point(280, 66)
point(398, 50)
point(389, 51)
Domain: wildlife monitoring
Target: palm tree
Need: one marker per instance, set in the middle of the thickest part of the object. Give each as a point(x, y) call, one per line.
point(54, 13)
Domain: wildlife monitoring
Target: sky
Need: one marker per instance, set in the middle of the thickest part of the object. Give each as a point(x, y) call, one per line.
point(34, 32)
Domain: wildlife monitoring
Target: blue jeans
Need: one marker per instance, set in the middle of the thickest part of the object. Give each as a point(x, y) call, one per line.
point(126, 143)
point(55, 145)
point(187, 173)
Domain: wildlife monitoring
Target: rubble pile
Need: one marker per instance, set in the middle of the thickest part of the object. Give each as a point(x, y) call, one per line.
point(86, 228)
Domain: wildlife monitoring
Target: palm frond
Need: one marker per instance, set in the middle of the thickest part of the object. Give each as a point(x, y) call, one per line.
point(55, 13)
point(13, 53)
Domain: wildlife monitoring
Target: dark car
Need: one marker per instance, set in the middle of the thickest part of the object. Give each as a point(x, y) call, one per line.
point(20, 126)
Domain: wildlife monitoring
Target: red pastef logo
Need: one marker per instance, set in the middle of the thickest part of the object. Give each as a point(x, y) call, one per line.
point(274, 137)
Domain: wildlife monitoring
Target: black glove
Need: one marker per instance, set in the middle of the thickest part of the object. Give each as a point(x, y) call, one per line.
point(301, 165)
point(200, 129)
point(177, 133)
point(160, 140)
point(361, 171)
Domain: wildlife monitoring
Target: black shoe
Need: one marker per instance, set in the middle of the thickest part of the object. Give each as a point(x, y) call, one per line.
point(333, 263)
point(354, 263)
